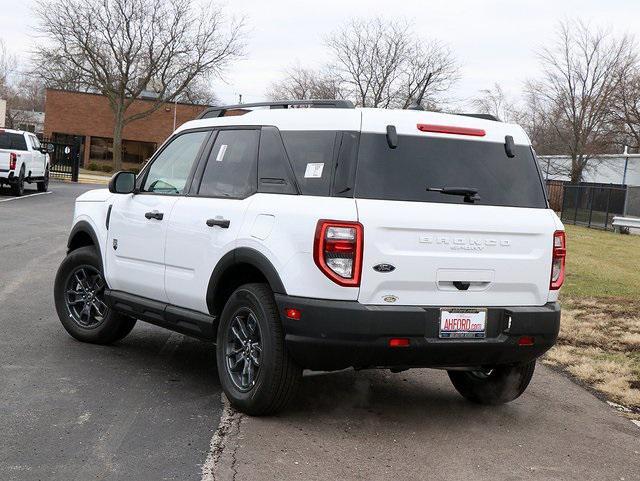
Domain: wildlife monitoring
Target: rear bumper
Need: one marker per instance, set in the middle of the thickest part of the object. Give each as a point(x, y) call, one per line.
point(6, 175)
point(338, 334)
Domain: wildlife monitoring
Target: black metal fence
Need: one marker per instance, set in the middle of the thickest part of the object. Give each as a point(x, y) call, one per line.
point(593, 205)
point(64, 159)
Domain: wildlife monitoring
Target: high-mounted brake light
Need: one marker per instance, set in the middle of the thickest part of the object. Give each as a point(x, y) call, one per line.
point(558, 260)
point(450, 129)
point(337, 251)
point(13, 158)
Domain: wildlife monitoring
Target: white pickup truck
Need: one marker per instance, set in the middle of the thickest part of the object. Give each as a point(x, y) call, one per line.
point(22, 159)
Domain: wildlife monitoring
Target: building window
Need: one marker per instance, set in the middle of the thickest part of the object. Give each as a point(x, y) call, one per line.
point(133, 152)
point(27, 127)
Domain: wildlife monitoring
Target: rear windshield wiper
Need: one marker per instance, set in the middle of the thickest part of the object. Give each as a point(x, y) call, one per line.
point(470, 194)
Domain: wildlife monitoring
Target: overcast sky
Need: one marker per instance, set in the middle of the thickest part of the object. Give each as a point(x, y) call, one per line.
point(492, 40)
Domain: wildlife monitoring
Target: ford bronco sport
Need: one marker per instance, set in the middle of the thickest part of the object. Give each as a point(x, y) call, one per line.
point(324, 238)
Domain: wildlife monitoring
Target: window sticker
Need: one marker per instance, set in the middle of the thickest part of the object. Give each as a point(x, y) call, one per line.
point(313, 170)
point(221, 152)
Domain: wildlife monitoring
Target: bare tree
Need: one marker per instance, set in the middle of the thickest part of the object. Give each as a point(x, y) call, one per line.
point(200, 93)
point(428, 71)
point(626, 112)
point(540, 122)
point(381, 64)
point(494, 101)
point(303, 84)
point(8, 67)
point(578, 84)
point(25, 96)
point(121, 48)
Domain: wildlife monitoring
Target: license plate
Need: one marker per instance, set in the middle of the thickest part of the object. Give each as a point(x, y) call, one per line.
point(463, 323)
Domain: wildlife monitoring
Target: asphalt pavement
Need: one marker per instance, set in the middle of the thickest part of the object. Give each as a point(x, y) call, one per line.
point(149, 407)
point(142, 409)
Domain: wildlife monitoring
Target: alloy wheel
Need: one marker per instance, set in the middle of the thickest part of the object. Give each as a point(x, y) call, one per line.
point(243, 350)
point(84, 296)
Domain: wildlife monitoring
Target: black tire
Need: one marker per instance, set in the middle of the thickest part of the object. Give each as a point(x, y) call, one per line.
point(277, 376)
point(44, 185)
point(17, 187)
point(495, 386)
point(70, 294)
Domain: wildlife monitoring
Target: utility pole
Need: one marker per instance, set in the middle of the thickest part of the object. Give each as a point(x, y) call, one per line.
point(175, 111)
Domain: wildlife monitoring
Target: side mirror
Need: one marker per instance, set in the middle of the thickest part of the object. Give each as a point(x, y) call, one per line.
point(122, 182)
point(43, 150)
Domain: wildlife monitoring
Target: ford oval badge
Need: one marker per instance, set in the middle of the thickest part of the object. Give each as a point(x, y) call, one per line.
point(384, 268)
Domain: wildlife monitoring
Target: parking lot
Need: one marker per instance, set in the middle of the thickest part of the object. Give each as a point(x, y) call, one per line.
point(150, 406)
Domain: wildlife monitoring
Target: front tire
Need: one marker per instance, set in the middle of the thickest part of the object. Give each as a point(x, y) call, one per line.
point(44, 185)
point(256, 372)
point(79, 298)
point(499, 385)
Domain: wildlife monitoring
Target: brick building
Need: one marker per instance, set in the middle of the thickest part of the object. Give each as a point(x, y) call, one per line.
point(86, 118)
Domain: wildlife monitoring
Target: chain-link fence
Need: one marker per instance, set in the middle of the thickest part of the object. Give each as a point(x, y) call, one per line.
point(592, 205)
point(632, 207)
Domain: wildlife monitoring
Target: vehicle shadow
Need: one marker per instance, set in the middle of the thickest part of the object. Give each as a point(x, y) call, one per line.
point(5, 191)
point(152, 356)
point(380, 393)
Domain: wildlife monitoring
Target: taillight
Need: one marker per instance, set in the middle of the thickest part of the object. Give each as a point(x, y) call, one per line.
point(558, 261)
point(13, 158)
point(337, 251)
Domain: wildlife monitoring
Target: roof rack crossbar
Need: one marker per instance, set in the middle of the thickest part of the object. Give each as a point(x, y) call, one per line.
point(213, 112)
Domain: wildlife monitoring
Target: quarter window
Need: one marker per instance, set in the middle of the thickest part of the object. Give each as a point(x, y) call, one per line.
point(311, 153)
point(170, 169)
point(231, 169)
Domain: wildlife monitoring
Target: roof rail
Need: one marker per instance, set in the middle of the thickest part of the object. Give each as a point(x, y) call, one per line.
point(213, 112)
point(482, 116)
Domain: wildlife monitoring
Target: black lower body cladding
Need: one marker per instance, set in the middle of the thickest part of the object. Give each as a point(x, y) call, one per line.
point(338, 334)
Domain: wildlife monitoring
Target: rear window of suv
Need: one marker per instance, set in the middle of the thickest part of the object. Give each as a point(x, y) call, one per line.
point(11, 141)
point(404, 173)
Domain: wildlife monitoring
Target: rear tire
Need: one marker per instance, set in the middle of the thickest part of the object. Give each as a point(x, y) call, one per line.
point(80, 283)
point(256, 372)
point(44, 185)
point(17, 187)
point(495, 386)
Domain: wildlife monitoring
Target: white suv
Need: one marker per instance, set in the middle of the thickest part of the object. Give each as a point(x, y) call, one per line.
point(323, 238)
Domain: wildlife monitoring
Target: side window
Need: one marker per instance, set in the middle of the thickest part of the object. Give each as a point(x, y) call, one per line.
point(274, 170)
point(170, 169)
point(312, 155)
point(231, 169)
point(35, 144)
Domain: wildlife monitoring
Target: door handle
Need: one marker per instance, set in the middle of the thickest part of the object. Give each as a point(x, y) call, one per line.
point(224, 223)
point(154, 215)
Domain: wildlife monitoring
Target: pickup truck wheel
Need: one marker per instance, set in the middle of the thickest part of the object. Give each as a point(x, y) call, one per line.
point(44, 185)
point(79, 298)
point(255, 370)
point(17, 187)
point(493, 386)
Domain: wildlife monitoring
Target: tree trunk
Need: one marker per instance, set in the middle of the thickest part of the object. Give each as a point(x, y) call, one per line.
point(576, 169)
point(118, 126)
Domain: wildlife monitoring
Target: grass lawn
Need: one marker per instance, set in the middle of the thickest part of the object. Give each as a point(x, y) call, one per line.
point(602, 264)
point(599, 341)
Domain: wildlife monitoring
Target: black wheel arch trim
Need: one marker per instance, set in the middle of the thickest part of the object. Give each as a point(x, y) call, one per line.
point(243, 255)
point(83, 227)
